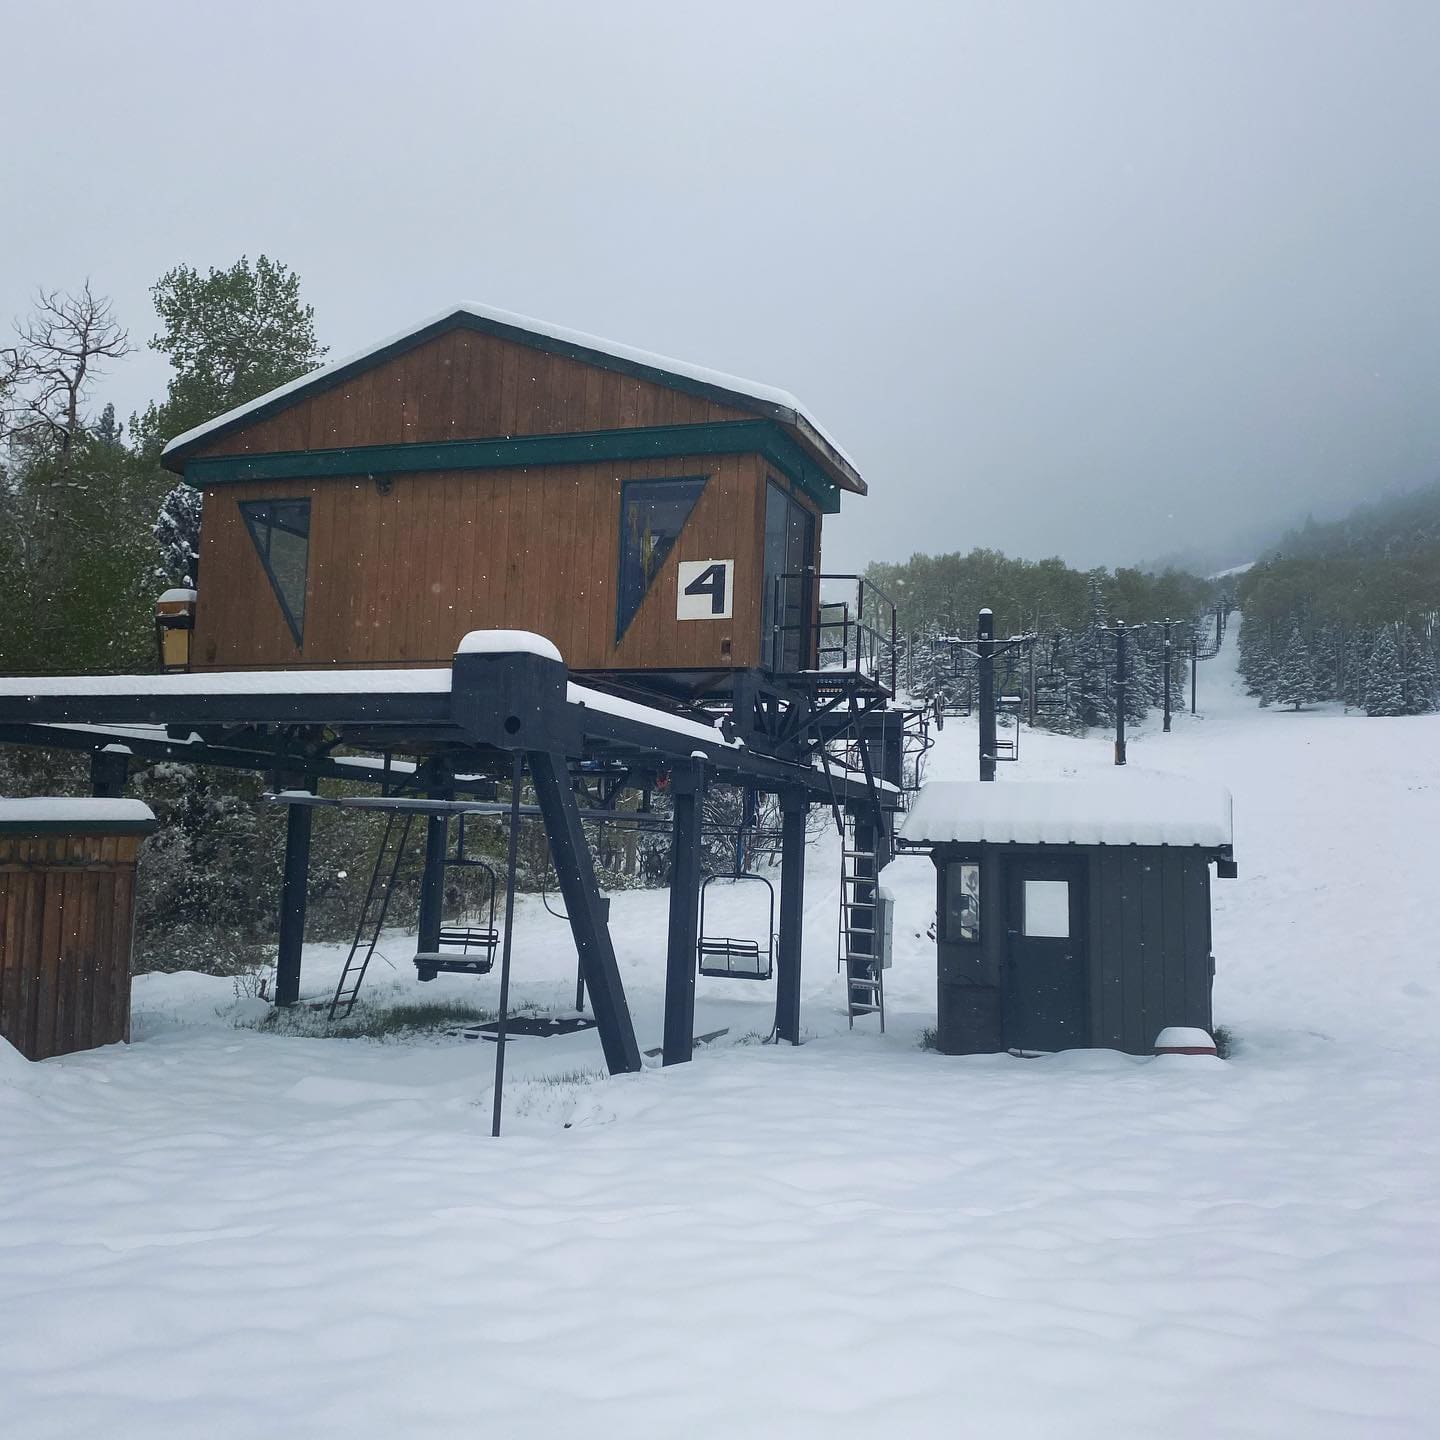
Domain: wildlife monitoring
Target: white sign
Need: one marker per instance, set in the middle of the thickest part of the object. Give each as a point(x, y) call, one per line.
point(705, 591)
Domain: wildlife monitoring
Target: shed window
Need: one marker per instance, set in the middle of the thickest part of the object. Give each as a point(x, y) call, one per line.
point(652, 515)
point(1047, 909)
point(281, 532)
point(962, 901)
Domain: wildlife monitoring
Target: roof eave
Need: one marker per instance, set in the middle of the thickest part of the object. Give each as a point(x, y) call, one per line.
point(826, 453)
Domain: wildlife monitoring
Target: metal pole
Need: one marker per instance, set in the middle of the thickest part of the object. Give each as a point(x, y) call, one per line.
point(794, 805)
point(1120, 686)
point(109, 770)
point(432, 882)
point(516, 773)
point(575, 870)
point(687, 790)
point(294, 885)
point(1194, 666)
point(1169, 657)
point(985, 677)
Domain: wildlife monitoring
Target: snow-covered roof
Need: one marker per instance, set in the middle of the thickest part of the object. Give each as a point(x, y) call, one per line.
point(52, 812)
point(1128, 810)
point(233, 682)
point(748, 393)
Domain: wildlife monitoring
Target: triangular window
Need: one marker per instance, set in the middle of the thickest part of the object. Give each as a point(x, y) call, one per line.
point(281, 532)
point(652, 515)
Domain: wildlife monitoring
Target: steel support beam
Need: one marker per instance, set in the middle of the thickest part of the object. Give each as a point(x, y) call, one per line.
point(576, 872)
point(109, 770)
point(794, 807)
point(432, 882)
point(293, 888)
point(687, 787)
point(1122, 683)
point(985, 681)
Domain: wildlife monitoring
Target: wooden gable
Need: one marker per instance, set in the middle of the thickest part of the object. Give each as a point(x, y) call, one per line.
point(463, 384)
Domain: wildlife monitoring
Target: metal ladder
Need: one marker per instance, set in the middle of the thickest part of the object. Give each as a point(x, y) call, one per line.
point(862, 968)
point(372, 912)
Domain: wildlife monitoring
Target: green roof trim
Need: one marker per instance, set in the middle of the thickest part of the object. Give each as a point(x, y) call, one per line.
point(726, 437)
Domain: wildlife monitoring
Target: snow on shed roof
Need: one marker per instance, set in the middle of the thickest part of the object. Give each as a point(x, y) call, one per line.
point(782, 403)
point(1135, 810)
point(52, 812)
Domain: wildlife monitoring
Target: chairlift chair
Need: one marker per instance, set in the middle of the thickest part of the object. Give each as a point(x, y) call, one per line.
point(467, 944)
point(729, 957)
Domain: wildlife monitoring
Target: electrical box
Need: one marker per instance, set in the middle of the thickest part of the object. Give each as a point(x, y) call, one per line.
point(884, 924)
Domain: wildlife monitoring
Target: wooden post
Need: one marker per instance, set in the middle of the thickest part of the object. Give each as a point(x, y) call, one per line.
point(687, 787)
point(1194, 666)
point(794, 807)
point(293, 886)
point(576, 872)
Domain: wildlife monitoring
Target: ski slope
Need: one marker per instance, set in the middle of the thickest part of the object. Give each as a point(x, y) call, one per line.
point(222, 1232)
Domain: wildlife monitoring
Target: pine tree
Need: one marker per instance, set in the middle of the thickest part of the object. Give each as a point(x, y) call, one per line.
point(177, 531)
point(1137, 680)
point(1384, 686)
point(1295, 681)
point(1358, 645)
point(1418, 674)
point(1096, 662)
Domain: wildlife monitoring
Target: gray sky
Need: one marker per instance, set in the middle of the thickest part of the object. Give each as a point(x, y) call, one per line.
point(1103, 279)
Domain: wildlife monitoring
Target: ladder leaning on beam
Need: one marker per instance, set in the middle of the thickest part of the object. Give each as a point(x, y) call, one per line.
point(372, 912)
point(860, 959)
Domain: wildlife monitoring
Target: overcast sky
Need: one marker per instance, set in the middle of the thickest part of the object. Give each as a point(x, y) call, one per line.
point(1107, 280)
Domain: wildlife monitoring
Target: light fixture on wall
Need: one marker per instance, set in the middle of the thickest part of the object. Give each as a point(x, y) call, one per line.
point(174, 627)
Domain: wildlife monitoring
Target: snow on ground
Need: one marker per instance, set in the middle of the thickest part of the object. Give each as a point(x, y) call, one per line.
point(223, 1232)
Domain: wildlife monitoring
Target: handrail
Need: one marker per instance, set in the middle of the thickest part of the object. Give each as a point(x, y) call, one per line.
point(862, 632)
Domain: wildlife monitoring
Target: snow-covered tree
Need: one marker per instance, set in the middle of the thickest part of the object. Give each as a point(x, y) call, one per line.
point(1418, 673)
point(1138, 678)
point(1295, 681)
point(1384, 685)
point(177, 532)
point(1095, 662)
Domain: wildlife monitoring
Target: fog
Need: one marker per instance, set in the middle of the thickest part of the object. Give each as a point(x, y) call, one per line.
point(1112, 281)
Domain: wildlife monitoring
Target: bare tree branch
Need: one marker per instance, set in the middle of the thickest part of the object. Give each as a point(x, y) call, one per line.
point(61, 348)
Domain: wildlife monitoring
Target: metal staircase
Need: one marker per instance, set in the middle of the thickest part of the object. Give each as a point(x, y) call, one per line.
point(372, 912)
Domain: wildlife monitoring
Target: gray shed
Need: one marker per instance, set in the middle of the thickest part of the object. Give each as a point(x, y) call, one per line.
point(1071, 913)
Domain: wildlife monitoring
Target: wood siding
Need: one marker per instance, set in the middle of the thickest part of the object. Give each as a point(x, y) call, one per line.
point(465, 385)
point(1147, 945)
point(398, 578)
point(66, 907)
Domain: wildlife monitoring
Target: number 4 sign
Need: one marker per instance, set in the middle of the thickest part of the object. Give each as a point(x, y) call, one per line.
point(704, 591)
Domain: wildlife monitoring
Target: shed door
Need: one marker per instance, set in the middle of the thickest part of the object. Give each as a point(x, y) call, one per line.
point(1047, 994)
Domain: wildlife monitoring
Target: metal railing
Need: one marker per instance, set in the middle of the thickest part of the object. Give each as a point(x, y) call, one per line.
point(834, 624)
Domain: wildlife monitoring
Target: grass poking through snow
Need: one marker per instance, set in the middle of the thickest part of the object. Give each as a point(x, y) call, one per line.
point(370, 1022)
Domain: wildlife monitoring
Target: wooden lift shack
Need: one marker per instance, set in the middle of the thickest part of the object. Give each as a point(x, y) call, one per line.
point(397, 550)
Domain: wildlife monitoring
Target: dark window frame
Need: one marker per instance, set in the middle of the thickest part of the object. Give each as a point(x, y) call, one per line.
point(695, 484)
point(952, 928)
point(262, 521)
point(789, 648)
